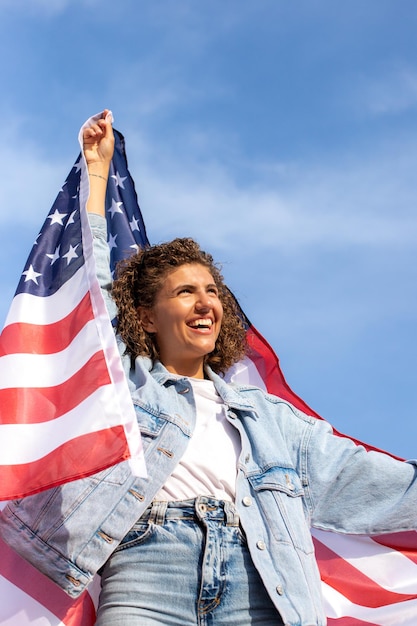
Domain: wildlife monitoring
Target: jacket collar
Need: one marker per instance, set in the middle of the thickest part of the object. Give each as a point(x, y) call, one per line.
point(228, 393)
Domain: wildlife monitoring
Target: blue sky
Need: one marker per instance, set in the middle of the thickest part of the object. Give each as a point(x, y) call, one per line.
point(281, 135)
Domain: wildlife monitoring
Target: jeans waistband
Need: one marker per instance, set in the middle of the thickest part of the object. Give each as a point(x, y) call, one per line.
point(202, 508)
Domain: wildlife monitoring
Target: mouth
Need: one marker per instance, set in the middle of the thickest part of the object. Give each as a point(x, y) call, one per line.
point(202, 323)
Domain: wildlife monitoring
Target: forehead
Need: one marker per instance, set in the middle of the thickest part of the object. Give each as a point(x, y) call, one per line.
point(189, 274)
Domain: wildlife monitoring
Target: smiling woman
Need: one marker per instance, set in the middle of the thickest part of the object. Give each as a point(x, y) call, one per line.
point(178, 276)
point(185, 319)
point(218, 533)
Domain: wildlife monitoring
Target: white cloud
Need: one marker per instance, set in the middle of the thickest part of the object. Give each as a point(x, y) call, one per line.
point(366, 201)
point(391, 93)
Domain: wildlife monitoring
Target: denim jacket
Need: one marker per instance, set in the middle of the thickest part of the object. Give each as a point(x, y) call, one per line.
point(293, 474)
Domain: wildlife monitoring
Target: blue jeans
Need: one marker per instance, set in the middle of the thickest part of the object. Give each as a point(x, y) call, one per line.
point(184, 564)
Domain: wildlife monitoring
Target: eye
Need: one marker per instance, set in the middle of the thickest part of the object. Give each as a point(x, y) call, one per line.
point(213, 290)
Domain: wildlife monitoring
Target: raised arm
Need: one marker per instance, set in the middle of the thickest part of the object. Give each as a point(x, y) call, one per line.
point(98, 146)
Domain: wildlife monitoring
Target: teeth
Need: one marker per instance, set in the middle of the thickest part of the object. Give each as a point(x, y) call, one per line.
point(203, 322)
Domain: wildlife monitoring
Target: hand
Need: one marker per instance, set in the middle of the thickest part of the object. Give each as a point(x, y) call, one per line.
point(98, 141)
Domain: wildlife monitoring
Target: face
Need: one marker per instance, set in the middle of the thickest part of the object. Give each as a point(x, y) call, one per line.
point(186, 319)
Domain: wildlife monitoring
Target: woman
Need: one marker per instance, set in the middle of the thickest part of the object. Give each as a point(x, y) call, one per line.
point(173, 307)
point(219, 531)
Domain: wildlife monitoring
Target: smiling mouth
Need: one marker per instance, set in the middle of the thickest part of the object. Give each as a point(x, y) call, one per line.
point(201, 324)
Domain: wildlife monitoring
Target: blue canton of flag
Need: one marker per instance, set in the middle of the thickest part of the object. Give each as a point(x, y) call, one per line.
point(125, 224)
point(57, 253)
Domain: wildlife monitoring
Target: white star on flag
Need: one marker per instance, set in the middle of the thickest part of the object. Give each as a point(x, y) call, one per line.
point(119, 179)
point(115, 207)
point(134, 224)
point(71, 254)
point(71, 219)
point(30, 274)
point(55, 256)
point(112, 242)
point(56, 217)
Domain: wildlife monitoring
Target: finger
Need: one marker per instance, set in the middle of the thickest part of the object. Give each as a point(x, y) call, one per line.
point(106, 126)
point(95, 130)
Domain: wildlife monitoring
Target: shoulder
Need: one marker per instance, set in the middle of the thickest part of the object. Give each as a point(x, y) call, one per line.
point(270, 405)
point(261, 395)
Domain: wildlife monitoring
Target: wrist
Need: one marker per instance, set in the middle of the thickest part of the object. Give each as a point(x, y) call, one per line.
point(105, 178)
point(99, 170)
point(99, 167)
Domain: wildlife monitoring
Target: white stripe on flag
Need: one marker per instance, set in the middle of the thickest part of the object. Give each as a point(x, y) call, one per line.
point(388, 568)
point(39, 370)
point(398, 614)
point(31, 309)
point(37, 440)
point(245, 372)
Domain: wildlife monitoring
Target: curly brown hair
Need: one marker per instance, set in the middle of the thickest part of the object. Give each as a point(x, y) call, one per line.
point(138, 281)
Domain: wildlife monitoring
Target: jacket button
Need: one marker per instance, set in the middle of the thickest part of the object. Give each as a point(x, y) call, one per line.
point(73, 580)
point(280, 590)
point(260, 545)
point(247, 501)
point(185, 390)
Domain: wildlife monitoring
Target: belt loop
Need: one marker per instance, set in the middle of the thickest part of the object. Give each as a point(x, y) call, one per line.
point(157, 514)
point(204, 507)
point(200, 506)
point(231, 514)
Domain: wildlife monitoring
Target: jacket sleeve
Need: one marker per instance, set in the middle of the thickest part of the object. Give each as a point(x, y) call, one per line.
point(357, 491)
point(101, 250)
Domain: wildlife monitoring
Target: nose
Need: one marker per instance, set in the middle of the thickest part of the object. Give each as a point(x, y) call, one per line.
point(203, 301)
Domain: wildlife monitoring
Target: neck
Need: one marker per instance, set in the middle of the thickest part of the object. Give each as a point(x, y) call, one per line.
point(190, 370)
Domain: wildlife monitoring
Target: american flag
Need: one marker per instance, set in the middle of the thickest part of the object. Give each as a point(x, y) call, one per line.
point(366, 581)
point(65, 410)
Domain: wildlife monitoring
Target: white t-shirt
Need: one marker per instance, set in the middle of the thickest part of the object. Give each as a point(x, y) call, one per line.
point(209, 464)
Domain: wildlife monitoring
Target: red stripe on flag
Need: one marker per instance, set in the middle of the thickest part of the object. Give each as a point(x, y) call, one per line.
point(405, 542)
point(33, 405)
point(77, 458)
point(348, 621)
point(80, 612)
point(23, 338)
point(352, 583)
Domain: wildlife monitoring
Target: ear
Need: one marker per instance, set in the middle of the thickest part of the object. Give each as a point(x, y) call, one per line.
point(146, 318)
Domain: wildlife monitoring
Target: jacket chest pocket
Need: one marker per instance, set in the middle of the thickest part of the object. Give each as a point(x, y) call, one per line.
point(150, 425)
point(279, 493)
